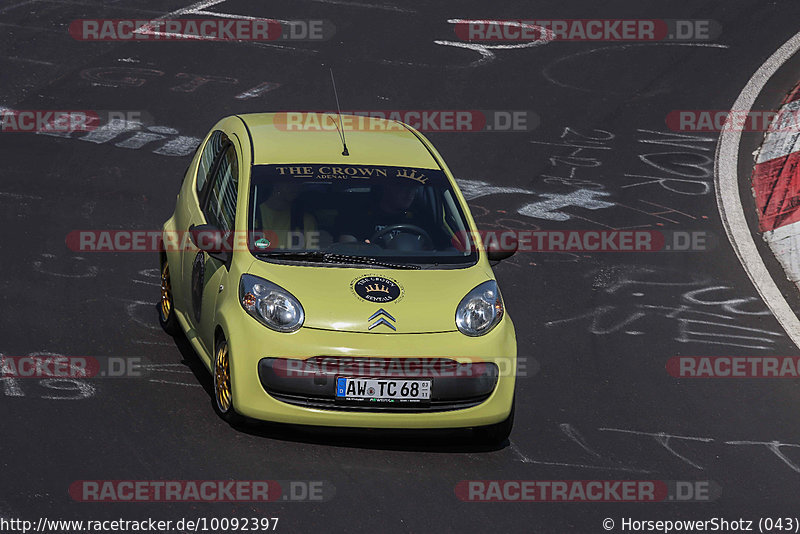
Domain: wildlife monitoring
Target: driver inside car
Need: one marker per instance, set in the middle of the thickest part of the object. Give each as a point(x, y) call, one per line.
point(393, 206)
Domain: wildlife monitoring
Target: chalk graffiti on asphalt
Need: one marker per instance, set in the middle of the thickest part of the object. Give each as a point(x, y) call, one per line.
point(703, 311)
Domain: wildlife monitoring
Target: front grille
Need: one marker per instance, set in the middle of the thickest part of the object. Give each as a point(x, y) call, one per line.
point(327, 403)
point(318, 389)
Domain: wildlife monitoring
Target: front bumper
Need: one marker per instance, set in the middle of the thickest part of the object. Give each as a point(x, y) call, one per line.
point(250, 342)
point(454, 385)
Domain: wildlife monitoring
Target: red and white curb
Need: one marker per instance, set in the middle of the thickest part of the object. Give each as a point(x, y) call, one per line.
point(726, 184)
point(776, 188)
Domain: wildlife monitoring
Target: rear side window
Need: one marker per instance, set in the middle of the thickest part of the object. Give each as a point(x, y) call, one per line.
point(221, 207)
point(210, 152)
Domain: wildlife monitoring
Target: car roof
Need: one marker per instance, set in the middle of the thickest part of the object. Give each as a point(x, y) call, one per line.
point(297, 137)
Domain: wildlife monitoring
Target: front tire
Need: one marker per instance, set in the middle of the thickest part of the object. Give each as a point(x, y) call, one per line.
point(166, 306)
point(497, 433)
point(223, 390)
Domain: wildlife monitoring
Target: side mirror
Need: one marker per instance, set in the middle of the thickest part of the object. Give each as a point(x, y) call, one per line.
point(210, 239)
point(503, 248)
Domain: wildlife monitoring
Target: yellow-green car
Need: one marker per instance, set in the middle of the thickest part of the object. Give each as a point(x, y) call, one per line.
point(334, 285)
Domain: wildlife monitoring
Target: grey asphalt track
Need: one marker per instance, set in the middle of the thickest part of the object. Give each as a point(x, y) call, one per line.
point(595, 330)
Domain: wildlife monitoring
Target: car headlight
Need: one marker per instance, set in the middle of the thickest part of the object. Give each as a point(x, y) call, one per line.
point(480, 310)
point(270, 304)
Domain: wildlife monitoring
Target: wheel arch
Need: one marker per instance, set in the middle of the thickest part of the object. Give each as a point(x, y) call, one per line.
point(219, 333)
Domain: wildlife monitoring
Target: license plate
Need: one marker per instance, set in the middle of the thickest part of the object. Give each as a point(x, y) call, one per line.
point(382, 389)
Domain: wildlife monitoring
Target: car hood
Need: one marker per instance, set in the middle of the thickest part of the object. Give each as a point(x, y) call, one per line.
point(375, 301)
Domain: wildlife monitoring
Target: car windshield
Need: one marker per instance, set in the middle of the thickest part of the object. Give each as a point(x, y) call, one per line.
point(312, 212)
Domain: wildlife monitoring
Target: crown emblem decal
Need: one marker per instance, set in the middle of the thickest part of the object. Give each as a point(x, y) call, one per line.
point(412, 174)
point(376, 289)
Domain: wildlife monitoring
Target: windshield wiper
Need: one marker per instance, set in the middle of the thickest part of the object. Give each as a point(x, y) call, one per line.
point(329, 257)
point(312, 255)
point(366, 260)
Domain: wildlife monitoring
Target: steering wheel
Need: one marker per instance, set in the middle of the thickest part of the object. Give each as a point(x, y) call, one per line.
point(403, 227)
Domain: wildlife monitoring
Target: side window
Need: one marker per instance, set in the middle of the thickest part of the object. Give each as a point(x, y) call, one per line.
point(221, 207)
point(210, 151)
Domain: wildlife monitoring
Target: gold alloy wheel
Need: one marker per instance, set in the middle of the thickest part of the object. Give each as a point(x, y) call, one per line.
point(166, 293)
point(222, 378)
